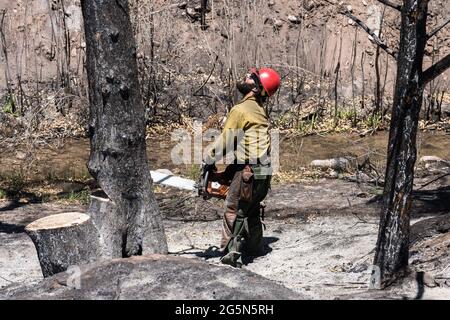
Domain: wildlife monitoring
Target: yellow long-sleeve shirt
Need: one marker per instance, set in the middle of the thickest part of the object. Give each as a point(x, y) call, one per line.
point(245, 133)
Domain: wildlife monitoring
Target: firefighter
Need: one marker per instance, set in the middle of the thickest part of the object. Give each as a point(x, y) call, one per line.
point(246, 135)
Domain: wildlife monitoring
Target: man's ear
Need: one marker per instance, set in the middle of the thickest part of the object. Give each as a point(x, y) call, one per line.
point(258, 91)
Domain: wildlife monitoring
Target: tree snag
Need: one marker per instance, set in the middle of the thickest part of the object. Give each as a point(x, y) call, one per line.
point(392, 249)
point(118, 159)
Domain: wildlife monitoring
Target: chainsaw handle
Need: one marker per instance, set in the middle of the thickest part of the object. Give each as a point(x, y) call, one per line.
point(205, 183)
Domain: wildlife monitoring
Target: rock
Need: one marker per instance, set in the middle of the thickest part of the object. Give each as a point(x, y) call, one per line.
point(294, 19)
point(308, 5)
point(370, 52)
point(338, 164)
point(21, 155)
point(277, 23)
point(429, 281)
point(430, 159)
point(271, 3)
point(165, 171)
point(361, 176)
point(334, 174)
point(182, 5)
point(433, 163)
point(429, 228)
point(359, 268)
point(445, 109)
point(198, 8)
point(192, 13)
point(154, 277)
point(351, 22)
point(349, 8)
point(70, 187)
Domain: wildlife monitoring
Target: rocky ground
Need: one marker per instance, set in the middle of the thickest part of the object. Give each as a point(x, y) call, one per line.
point(319, 244)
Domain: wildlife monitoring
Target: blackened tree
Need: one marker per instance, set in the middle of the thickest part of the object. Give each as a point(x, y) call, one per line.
point(392, 248)
point(118, 158)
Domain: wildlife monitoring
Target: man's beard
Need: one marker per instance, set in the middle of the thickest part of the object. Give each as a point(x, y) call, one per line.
point(244, 88)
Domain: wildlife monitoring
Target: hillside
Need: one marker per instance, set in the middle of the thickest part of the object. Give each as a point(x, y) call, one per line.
point(189, 72)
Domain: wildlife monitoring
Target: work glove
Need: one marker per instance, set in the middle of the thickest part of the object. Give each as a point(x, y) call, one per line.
point(208, 168)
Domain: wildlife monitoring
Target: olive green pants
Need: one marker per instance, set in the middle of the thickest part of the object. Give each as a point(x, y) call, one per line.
point(242, 228)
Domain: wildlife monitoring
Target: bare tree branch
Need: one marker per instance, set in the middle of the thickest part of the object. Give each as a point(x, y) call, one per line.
point(375, 38)
point(435, 70)
point(391, 4)
point(432, 33)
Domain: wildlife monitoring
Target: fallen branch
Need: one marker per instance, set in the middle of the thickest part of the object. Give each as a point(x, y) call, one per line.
point(434, 180)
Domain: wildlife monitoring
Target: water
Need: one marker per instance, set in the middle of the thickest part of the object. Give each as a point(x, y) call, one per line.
point(68, 161)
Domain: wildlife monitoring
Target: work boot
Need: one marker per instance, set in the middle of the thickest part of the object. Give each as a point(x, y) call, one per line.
point(233, 259)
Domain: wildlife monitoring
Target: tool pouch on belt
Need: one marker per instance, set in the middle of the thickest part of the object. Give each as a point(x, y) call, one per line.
point(247, 184)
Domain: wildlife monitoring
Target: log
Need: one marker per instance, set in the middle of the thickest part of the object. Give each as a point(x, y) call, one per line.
point(338, 164)
point(63, 240)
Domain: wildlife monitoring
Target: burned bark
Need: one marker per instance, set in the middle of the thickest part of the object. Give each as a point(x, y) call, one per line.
point(118, 159)
point(204, 3)
point(392, 249)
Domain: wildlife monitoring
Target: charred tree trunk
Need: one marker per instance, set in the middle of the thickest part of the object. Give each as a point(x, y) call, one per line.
point(391, 256)
point(392, 249)
point(204, 3)
point(118, 159)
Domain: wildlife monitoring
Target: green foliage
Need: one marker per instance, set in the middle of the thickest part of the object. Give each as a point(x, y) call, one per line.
point(346, 114)
point(314, 121)
point(9, 106)
point(78, 197)
point(377, 191)
point(2, 194)
point(193, 172)
point(283, 121)
point(16, 182)
point(373, 121)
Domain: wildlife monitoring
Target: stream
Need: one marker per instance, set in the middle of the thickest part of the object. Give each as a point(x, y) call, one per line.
point(68, 159)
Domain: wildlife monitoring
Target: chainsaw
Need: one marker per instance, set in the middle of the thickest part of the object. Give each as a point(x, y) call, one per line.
point(213, 184)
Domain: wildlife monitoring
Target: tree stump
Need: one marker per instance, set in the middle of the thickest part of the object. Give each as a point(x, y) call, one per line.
point(63, 240)
point(108, 225)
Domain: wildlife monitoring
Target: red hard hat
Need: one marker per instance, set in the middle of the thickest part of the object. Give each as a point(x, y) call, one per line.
point(269, 78)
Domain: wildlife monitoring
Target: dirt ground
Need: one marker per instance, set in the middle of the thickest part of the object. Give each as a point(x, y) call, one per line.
point(319, 241)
